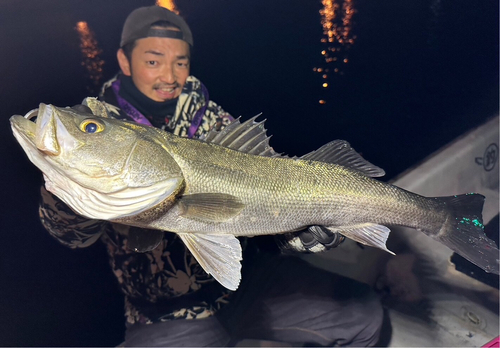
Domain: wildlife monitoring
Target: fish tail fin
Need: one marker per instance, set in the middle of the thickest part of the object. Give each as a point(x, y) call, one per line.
point(463, 231)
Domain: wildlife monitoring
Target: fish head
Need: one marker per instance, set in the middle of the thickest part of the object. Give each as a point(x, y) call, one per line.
point(101, 167)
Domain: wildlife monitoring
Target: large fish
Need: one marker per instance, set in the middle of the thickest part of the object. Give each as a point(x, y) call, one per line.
point(232, 184)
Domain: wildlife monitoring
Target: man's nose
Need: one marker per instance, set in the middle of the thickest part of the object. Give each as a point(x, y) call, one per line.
point(168, 74)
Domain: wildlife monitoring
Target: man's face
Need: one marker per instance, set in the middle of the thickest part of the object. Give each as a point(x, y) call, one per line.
point(159, 67)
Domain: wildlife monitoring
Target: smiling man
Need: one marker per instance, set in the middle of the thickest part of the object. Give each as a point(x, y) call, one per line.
point(154, 86)
point(169, 299)
point(160, 66)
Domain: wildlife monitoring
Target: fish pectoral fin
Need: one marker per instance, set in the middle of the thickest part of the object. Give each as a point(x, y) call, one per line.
point(211, 207)
point(218, 254)
point(368, 234)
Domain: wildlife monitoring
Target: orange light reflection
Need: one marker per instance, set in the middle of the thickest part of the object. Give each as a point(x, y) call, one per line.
point(337, 22)
point(90, 54)
point(168, 4)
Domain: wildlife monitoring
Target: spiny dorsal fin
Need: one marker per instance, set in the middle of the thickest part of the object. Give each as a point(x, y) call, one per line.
point(248, 137)
point(340, 152)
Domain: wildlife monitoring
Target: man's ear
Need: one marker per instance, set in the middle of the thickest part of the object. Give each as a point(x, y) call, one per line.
point(123, 62)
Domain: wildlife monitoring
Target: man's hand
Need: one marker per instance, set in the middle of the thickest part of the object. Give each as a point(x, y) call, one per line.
point(311, 240)
point(319, 237)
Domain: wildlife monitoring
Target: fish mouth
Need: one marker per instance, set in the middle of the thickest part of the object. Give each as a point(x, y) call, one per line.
point(42, 130)
point(28, 129)
point(26, 123)
point(24, 129)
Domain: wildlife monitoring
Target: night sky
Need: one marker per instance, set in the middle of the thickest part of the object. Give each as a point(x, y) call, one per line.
point(418, 74)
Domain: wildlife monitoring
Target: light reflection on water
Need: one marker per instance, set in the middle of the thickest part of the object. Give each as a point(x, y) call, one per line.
point(336, 20)
point(90, 56)
point(169, 4)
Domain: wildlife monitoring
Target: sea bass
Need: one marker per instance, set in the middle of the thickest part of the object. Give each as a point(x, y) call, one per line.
point(231, 183)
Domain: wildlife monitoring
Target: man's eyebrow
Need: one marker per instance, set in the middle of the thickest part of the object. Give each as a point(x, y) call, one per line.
point(156, 53)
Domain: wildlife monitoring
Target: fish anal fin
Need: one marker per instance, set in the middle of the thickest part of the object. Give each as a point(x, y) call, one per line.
point(210, 207)
point(368, 234)
point(218, 254)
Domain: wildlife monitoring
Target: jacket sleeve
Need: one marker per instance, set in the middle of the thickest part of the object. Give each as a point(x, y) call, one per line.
point(65, 225)
point(214, 116)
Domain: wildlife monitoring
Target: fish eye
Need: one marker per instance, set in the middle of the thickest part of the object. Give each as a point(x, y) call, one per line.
point(91, 126)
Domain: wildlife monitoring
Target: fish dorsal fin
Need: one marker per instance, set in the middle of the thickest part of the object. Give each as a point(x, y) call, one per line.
point(340, 152)
point(248, 137)
point(218, 254)
point(368, 234)
point(210, 207)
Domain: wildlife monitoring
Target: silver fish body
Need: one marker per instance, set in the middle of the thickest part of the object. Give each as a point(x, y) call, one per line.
point(232, 184)
point(282, 194)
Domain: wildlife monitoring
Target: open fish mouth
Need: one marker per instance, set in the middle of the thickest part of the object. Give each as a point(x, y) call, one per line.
point(39, 129)
point(25, 124)
point(24, 130)
point(32, 115)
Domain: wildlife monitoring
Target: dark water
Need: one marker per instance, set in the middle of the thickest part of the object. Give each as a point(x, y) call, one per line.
point(419, 74)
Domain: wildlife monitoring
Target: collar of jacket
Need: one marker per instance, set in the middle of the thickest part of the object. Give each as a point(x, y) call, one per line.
point(192, 103)
point(150, 108)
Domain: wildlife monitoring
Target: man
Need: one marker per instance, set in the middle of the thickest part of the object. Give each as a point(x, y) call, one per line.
point(169, 299)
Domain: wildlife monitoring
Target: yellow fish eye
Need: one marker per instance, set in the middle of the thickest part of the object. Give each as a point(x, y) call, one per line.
point(91, 126)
